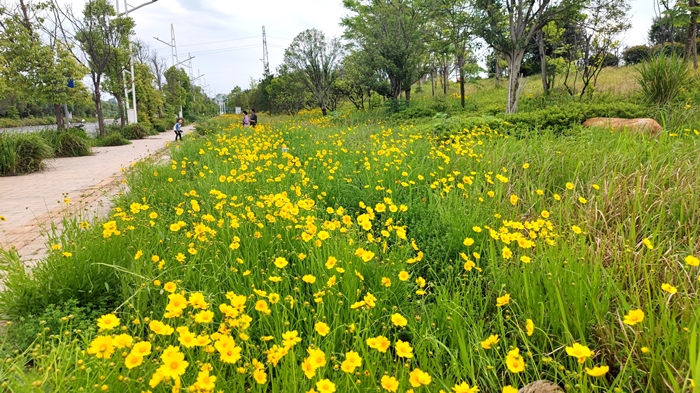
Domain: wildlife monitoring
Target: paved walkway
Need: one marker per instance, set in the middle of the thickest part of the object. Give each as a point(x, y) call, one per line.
point(34, 204)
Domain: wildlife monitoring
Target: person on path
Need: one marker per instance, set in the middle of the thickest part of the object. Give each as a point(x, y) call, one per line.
point(253, 118)
point(246, 119)
point(178, 129)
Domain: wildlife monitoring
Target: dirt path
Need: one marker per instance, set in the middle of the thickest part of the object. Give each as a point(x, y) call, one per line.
point(35, 204)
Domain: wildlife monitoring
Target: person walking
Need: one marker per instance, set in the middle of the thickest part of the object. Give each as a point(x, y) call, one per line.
point(253, 118)
point(246, 119)
point(178, 129)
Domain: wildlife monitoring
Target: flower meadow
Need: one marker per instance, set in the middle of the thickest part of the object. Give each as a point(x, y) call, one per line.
point(312, 254)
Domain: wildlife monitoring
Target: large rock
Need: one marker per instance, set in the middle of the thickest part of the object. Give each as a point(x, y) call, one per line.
point(639, 125)
point(541, 386)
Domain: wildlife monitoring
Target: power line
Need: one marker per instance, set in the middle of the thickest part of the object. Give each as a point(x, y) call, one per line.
point(215, 42)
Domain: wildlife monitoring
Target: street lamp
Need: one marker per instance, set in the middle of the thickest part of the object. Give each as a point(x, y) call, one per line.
point(131, 114)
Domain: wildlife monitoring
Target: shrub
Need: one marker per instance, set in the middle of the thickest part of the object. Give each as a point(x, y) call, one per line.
point(22, 153)
point(662, 78)
point(134, 131)
point(112, 139)
point(636, 54)
point(68, 143)
point(53, 320)
point(669, 49)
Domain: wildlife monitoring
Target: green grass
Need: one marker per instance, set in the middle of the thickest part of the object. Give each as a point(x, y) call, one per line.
point(244, 203)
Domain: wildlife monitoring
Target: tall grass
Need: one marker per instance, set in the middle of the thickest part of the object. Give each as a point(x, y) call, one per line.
point(68, 143)
point(621, 214)
point(662, 78)
point(22, 153)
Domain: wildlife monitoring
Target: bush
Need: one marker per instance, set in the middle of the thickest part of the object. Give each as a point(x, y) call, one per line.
point(68, 143)
point(669, 49)
point(562, 118)
point(636, 54)
point(662, 78)
point(53, 320)
point(23, 153)
point(112, 139)
point(134, 131)
point(163, 125)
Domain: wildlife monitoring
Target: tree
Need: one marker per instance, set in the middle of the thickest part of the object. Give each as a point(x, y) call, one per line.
point(393, 33)
point(509, 26)
point(36, 70)
point(317, 60)
point(99, 33)
point(595, 36)
point(456, 24)
point(287, 91)
point(175, 93)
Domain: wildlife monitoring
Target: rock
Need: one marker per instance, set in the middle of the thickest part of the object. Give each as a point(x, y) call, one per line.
point(639, 125)
point(541, 386)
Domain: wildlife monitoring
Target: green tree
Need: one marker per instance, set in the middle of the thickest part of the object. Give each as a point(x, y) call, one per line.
point(39, 71)
point(288, 93)
point(148, 98)
point(315, 58)
point(394, 34)
point(455, 23)
point(100, 34)
point(508, 26)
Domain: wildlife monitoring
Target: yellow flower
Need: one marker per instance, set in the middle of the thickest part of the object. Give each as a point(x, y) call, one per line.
point(417, 377)
point(598, 371)
point(281, 262)
point(325, 386)
point(529, 327)
point(123, 341)
point(108, 322)
point(503, 300)
point(666, 287)
point(309, 279)
point(507, 253)
point(102, 347)
point(322, 328)
point(386, 282)
point(525, 259)
point(403, 275)
point(634, 317)
point(648, 243)
point(490, 341)
point(582, 200)
point(390, 384)
point(204, 316)
point(465, 388)
point(513, 199)
point(351, 362)
point(138, 255)
point(645, 350)
point(514, 361)
point(132, 360)
point(544, 214)
point(569, 186)
point(581, 352)
point(692, 261)
point(380, 343)
point(404, 349)
point(399, 320)
point(509, 389)
point(262, 307)
point(174, 364)
point(260, 376)
point(468, 241)
point(576, 229)
point(170, 287)
point(141, 349)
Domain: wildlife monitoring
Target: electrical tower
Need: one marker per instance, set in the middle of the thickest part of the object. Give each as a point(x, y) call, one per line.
point(265, 59)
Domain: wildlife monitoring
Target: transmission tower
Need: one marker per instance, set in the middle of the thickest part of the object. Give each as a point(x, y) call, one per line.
point(265, 59)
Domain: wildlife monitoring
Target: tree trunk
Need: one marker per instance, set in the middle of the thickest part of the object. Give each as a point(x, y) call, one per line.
point(96, 79)
point(691, 45)
point(445, 80)
point(543, 62)
point(60, 121)
point(432, 79)
point(323, 110)
point(514, 79)
point(498, 70)
point(120, 109)
point(407, 92)
point(460, 63)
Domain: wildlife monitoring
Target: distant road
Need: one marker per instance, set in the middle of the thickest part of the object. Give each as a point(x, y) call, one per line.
point(90, 128)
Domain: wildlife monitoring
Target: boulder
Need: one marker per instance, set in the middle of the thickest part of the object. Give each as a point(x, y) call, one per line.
point(616, 124)
point(541, 386)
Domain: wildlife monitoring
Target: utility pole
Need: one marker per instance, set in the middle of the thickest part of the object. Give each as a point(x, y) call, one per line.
point(265, 59)
point(173, 51)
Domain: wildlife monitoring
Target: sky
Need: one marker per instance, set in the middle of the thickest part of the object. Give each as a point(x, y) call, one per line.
point(225, 37)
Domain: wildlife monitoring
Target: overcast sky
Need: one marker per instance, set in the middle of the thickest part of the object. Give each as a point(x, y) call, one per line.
point(225, 37)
